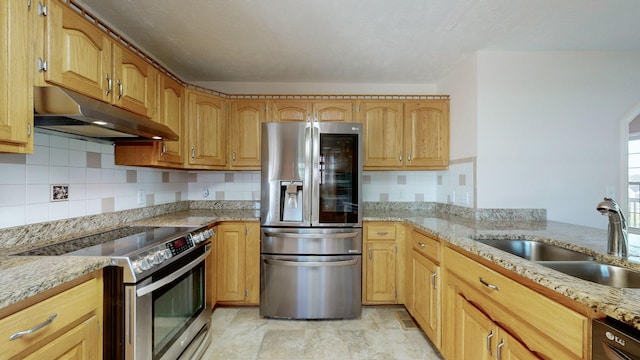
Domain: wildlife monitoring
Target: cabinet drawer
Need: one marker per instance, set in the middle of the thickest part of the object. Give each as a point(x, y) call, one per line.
point(381, 231)
point(70, 307)
point(426, 245)
point(545, 326)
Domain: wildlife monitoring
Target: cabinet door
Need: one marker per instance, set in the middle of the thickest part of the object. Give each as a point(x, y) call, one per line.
point(207, 129)
point(253, 263)
point(426, 307)
point(508, 348)
point(380, 267)
point(78, 53)
point(170, 114)
point(382, 126)
point(476, 335)
point(230, 264)
point(16, 77)
point(79, 343)
point(291, 111)
point(245, 126)
point(327, 111)
point(426, 134)
point(134, 81)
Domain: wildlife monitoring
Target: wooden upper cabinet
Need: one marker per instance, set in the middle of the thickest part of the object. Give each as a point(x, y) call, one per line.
point(206, 129)
point(170, 113)
point(323, 111)
point(291, 110)
point(16, 77)
point(82, 57)
point(78, 54)
point(135, 80)
point(326, 111)
point(245, 128)
point(382, 123)
point(426, 134)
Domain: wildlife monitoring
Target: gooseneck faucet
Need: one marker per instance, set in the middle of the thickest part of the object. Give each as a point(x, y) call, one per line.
point(617, 242)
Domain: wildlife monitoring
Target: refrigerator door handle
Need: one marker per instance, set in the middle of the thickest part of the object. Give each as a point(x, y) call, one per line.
point(311, 236)
point(311, 263)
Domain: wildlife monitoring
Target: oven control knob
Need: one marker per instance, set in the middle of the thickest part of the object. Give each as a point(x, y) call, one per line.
point(141, 265)
point(155, 258)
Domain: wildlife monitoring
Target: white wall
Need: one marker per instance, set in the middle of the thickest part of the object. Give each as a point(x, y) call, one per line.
point(549, 126)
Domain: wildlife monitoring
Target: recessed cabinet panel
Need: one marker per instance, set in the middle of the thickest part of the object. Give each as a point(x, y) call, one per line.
point(16, 77)
point(382, 126)
point(134, 82)
point(78, 53)
point(427, 134)
point(206, 128)
point(245, 133)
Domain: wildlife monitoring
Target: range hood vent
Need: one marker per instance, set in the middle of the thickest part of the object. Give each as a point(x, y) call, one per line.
point(66, 111)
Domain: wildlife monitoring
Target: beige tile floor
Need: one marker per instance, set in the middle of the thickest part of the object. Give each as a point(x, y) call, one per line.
point(240, 333)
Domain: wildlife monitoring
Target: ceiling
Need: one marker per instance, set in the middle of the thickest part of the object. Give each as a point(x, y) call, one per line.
point(358, 41)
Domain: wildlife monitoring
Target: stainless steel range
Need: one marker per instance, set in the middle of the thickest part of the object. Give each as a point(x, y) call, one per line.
point(155, 305)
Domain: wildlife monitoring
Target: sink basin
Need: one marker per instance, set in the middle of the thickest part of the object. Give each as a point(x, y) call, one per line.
point(535, 250)
point(599, 273)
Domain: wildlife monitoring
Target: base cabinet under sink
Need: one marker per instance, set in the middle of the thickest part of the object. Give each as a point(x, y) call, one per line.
point(543, 327)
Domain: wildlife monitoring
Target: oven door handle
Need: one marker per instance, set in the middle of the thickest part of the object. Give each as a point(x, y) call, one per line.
point(311, 236)
point(311, 263)
point(168, 279)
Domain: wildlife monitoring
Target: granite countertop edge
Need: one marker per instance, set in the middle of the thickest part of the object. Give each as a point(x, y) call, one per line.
point(22, 277)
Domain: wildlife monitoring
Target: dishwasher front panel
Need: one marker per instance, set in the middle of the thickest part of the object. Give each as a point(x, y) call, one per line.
point(311, 287)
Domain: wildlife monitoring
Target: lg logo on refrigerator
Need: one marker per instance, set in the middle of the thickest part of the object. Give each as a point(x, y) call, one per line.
point(612, 337)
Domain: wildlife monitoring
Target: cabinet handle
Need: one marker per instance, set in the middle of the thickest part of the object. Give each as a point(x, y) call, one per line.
point(422, 244)
point(164, 148)
point(409, 157)
point(499, 349)
point(29, 4)
point(382, 233)
point(28, 130)
point(109, 84)
point(489, 343)
point(120, 89)
point(490, 286)
point(400, 156)
point(233, 156)
point(20, 334)
point(370, 253)
point(433, 279)
point(193, 152)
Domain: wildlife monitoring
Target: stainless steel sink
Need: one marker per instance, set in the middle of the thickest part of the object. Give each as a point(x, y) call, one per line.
point(599, 273)
point(535, 250)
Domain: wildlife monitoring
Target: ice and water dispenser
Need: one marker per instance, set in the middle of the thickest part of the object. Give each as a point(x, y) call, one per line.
point(291, 200)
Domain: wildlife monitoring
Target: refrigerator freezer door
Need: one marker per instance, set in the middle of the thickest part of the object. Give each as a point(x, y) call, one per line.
point(286, 175)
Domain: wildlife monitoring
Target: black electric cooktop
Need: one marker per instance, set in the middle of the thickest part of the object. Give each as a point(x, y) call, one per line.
point(120, 242)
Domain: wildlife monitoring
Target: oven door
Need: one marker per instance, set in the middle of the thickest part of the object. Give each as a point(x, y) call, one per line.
point(166, 316)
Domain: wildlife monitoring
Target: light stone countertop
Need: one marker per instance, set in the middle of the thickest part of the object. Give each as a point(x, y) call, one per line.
point(22, 277)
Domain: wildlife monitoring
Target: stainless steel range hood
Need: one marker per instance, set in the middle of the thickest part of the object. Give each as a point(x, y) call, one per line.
point(66, 111)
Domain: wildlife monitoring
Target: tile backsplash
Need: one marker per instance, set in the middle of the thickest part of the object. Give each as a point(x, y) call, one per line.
point(97, 186)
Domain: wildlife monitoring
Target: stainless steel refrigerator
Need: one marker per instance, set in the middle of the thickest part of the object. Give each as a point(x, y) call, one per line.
point(311, 220)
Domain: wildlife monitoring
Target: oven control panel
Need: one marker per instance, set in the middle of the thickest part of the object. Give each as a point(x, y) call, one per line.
point(164, 252)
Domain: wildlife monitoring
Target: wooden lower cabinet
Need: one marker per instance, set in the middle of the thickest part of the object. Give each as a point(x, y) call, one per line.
point(74, 332)
point(383, 263)
point(238, 263)
point(480, 338)
point(425, 295)
point(476, 298)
